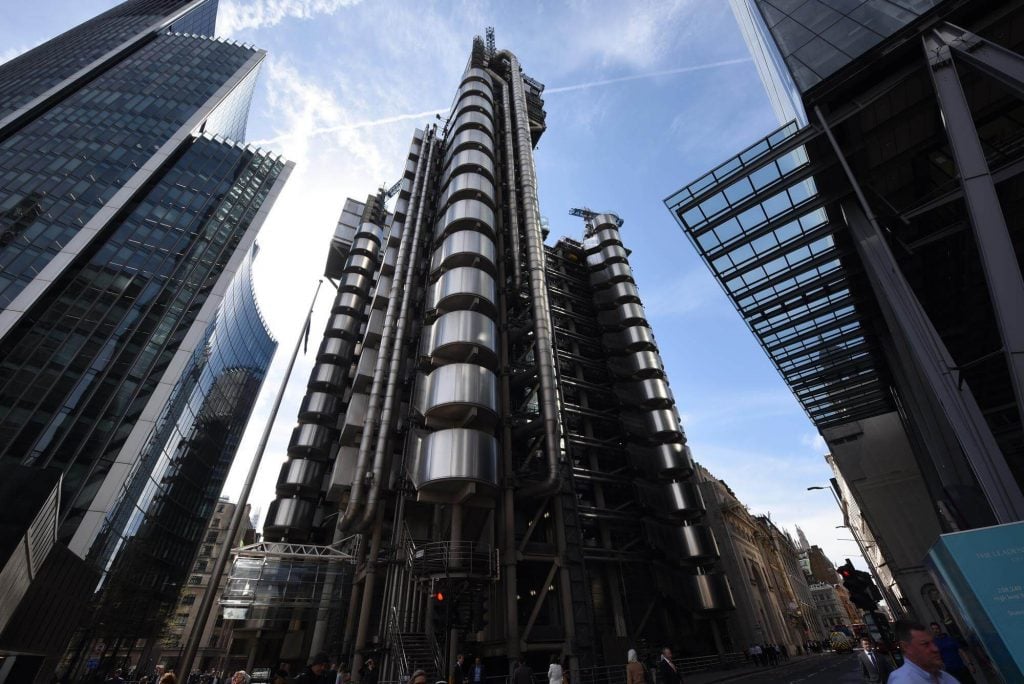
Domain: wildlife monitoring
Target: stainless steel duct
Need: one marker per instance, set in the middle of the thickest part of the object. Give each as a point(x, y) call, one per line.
point(381, 453)
point(510, 182)
point(544, 355)
point(355, 501)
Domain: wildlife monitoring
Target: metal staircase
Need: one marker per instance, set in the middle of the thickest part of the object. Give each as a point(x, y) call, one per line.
point(419, 653)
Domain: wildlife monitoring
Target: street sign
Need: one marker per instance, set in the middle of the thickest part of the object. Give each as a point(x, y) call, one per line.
point(981, 573)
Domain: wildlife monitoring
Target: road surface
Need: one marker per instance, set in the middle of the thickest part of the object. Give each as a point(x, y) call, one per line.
point(828, 668)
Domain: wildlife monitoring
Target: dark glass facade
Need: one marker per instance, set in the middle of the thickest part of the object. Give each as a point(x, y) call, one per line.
point(68, 163)
point(128, 361)
point(819, 37)
point(151, 533)
point(36, 71)
point(79, 369)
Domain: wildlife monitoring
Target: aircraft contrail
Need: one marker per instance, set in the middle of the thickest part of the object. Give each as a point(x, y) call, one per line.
point(547, 91)
point(357, 125)
point(650, 74)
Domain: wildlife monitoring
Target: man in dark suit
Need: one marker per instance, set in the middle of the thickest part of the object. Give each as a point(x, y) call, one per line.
point(476, 673)
point(523, 673)
point(874, 666)
point(667, 672)
point(459, 675)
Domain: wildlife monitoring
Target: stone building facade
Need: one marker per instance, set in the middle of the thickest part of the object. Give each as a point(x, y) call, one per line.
point(774, 603)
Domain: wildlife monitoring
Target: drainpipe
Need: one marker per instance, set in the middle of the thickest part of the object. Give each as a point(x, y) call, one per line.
point(355, 501)
point(381, 453)
point(542, 333)
point(510, 174)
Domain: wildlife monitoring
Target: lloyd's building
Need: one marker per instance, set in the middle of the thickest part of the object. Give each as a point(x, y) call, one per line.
point(488, 459)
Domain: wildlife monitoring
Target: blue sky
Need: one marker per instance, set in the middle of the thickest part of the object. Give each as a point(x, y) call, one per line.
point(642, 97)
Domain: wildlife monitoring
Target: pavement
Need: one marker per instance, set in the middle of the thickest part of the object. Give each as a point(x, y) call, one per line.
point(817, 668)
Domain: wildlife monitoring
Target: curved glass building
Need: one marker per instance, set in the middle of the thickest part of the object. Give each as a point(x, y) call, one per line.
point(128, 205)
point(150, 536)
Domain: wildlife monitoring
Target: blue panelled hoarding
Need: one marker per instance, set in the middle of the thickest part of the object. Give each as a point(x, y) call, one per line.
point(981, 574)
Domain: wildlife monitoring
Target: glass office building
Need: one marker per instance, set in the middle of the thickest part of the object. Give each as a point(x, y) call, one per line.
point(782, 92)
point(817, 38)
point(128, 203)
point(876, 255)
point(152, 531)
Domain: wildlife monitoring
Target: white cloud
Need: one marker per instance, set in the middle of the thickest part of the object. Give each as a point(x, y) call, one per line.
point(814, 441)
point(336, 156)
point(238, 15)
point(635, 34)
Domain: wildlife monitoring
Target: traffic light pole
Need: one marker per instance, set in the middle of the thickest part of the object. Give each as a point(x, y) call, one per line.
point(894, 605)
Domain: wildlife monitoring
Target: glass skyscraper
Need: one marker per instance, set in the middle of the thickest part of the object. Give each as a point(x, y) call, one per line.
point(128, 203)
point(876, 255)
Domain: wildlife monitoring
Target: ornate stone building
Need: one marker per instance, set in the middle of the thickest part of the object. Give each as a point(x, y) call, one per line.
point(773, 600)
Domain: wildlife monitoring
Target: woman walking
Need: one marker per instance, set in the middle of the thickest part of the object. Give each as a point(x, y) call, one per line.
point(554, 671)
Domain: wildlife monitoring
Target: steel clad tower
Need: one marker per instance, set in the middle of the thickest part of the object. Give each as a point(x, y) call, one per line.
point(488, 435)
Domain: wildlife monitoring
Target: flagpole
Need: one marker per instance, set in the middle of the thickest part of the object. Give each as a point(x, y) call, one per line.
point(184, 665)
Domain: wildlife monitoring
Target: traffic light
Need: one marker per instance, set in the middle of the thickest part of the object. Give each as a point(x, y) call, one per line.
point(478, 611)
point(863, 592)
point(439, 606)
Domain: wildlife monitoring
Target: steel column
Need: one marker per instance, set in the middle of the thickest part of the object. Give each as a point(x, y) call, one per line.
point(927, 353)
point(995, 248)
point(995, 61)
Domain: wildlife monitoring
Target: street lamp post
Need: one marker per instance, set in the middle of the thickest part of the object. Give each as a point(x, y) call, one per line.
point(893, 604)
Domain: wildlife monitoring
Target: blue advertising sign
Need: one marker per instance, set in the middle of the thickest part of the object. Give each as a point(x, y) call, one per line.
point(982, 573)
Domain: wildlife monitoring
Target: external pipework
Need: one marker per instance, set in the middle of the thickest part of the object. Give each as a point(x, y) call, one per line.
point(346, 519)
point(291, 514)
point(510, 173)
point(381, 453)
point(535, 264)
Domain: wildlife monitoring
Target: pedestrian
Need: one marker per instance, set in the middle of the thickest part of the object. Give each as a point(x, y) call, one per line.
point(370, 672)
point(313, 671)
point(554, 671)
point(459, 671)
point(755, 654)
point(954, 657)
point(168, 678)
point(240, 677)
point(476, 673)
point(875, 667)
point(418, 677)
point(922, 660)
point(636, 673)
point(667, 672)
point(523, 674)
point(784, 652)
point(333, 673)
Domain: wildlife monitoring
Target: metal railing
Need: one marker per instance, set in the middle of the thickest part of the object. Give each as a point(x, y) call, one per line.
point(447, 558)
point(616, 674)
point(394, 637)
